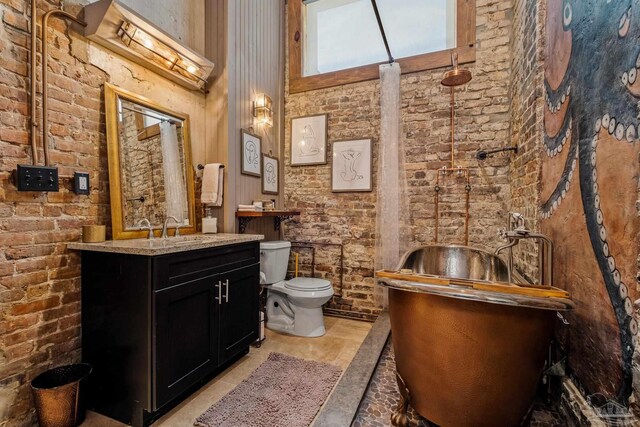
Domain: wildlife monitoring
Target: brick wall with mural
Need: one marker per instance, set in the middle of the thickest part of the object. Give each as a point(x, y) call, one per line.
point(353, 112)
point(577, 175)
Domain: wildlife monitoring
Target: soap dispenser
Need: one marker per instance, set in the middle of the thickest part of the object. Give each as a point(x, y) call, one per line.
point(209, 223)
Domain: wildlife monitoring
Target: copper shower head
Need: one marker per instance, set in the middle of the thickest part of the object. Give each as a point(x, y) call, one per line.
point(457, 76)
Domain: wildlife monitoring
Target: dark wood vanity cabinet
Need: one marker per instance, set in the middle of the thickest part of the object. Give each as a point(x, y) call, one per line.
point(156, 327)
point(186, 341)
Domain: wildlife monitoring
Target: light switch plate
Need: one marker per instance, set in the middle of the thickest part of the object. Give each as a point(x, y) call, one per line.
point(81, 183)
point(36, 178)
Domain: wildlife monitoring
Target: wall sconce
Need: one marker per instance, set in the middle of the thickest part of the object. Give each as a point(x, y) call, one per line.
point(118, 28)
point(263, 110)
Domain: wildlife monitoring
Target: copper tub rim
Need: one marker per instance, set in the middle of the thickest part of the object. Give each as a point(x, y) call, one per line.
point(468, 294)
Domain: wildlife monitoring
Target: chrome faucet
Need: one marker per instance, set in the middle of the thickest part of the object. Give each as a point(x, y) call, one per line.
point(517, 231)
point(148, 227)
point(164, 227)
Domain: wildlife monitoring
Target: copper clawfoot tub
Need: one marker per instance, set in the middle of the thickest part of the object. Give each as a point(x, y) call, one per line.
point(469, 348)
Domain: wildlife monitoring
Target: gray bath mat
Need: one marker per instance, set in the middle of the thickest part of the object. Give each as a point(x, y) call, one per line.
point(283, 392)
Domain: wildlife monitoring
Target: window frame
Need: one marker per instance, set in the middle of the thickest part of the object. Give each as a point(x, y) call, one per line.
point(465, 47)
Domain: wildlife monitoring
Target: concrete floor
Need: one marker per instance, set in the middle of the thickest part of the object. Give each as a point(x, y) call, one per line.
point(338, 346)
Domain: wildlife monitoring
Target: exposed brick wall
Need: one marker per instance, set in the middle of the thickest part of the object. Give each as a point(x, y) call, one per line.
point(39, 277)
point(482, 122)
point(527, 84)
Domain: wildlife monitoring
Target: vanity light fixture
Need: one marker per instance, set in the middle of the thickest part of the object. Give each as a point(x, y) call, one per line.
point(263, 110)
point(120, 29)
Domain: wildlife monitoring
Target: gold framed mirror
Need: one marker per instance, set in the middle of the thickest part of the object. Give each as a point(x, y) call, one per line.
point(150, 166)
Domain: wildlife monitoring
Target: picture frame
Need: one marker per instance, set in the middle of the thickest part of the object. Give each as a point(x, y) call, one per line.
point(250, 151)
point(352, 166)
point(270, 174)
point(309, 140)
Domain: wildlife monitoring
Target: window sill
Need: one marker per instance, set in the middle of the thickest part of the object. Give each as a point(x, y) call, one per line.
point(412, 64)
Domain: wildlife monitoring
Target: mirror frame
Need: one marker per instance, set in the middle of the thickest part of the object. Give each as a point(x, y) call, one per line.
point(118, 230)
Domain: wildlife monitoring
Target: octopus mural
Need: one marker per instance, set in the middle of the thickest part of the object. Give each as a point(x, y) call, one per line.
point(590, 181)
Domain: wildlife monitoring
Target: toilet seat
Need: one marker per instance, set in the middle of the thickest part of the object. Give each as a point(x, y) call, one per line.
point(307, 284)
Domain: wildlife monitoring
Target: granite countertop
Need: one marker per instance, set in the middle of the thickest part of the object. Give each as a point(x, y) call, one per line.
point(169, 245)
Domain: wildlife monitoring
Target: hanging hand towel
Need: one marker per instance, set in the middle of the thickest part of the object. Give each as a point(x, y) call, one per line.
point(212, 184)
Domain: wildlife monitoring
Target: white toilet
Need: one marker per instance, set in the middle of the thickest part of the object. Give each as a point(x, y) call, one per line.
point(293, 306)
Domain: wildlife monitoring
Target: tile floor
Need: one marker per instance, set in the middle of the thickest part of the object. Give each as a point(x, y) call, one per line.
point(338, 347)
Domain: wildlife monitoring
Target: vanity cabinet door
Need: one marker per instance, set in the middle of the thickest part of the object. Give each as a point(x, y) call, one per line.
point(186, 335)
point(239, 321)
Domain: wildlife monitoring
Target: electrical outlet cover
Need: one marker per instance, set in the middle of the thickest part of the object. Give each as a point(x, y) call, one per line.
point(81, 183)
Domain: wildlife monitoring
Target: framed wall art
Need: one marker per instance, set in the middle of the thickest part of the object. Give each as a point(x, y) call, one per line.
point(309, 140)
point(269, 174)
point(250, 150)
point(351, 166)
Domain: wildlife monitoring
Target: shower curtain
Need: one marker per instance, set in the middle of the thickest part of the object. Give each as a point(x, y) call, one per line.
point(175, 189)
point(392, 216)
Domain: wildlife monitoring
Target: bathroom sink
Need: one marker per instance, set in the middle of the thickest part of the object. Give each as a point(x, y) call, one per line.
point(459, 262)
point(187, 239)
point(182, 239)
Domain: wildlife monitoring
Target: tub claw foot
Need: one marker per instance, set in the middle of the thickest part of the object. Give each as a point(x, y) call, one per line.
point(399, 416)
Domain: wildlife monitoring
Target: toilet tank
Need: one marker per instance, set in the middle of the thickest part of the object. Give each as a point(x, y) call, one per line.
point(274, 260)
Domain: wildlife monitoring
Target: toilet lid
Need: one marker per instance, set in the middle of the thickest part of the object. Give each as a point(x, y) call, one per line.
point(307, 284)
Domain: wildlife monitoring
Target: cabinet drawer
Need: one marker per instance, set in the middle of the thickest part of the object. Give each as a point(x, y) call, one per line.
point(173, 269)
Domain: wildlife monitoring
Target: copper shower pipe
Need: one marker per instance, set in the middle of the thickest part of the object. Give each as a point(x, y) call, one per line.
point(45, 96)
point(453, 78)
point(453, 117)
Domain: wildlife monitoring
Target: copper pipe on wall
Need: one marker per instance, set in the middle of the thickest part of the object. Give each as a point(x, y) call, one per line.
point(45, 96)
point(452, 79)
point(437, 203)
point(313, 255)
point(310, 245)
point(33, 77)
point(453, 117)
point(467, 189)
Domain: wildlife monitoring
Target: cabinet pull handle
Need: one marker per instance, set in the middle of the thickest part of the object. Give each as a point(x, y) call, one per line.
point(219, 297)
point(226, 291)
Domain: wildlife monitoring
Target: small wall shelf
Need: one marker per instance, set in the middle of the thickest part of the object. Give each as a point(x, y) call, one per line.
point(245, 217)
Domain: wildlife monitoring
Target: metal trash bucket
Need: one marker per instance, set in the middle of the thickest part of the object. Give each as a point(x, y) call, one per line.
point(58, 396)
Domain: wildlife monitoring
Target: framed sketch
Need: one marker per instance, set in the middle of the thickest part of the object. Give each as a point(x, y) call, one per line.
point(309, 140)
point(269, 174)
point(351, 166)
point(250, 150)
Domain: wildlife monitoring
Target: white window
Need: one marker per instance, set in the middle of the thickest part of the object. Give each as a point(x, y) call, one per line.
point(342, 34)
